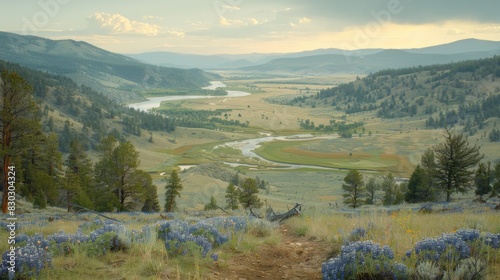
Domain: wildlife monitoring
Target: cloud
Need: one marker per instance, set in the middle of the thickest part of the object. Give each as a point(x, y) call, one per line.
point(409, 12)
point(176, 33)
point(304, 20)
point(153, 17)
point(238, 22)
point(119, 24)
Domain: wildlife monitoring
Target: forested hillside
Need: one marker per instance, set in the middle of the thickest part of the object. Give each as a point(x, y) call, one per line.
point(43, 116)
point(465, 93)
point(73, 111)
point(118, 77)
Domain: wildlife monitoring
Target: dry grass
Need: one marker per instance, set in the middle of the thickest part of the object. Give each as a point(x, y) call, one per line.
point(399, 230)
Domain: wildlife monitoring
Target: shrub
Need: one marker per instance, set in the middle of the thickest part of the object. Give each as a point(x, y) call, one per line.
point(364, 260)
point(182, 238)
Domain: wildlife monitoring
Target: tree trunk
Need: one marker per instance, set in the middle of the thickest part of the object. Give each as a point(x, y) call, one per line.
point(6, 164)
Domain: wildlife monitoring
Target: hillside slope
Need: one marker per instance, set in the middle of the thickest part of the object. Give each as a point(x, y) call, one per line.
point(465, 93)
point(355, 64)
point(119, 77)
point(73, 111)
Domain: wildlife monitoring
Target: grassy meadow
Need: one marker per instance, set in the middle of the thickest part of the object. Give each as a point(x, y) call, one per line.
point(394, 146)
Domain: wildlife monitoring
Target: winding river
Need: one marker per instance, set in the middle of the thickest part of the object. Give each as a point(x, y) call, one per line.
point(154, 102)
point(247, 146)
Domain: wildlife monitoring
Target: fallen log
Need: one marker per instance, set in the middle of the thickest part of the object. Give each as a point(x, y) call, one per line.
point(273, 217)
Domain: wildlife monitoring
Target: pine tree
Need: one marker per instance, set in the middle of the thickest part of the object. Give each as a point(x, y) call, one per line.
point(172, 190)
point(235, 180)
point(354, 190)
point(455, 159)
point(248, 194)
point(140, 192)
point(419, 189)
point(496, 185)
point(483, 179)
point(212, 205)
point(78, 182)
point(390, 189)
point(17, 123)
point(371, 188)
point(115, 171)
point(232, 197)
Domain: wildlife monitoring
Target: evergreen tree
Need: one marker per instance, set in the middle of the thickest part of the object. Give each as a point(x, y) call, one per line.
point(419, 189)
point(390, 190)
point(428, 165)
point(115, 170)
point(455, 158)
point(149, 192)
point(231, 197)
point(371, 188)
point(496, 185)
point(151, 203)
point(141, 192)
point(483, 179)
point(172, 190)
point(78, 182)
point(17, 123)
point(235, 180)
point(248, 194)
point(212, 205)
point(354, 190)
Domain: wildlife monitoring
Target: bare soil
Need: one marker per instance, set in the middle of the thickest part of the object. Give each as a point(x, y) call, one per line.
point(293, 258)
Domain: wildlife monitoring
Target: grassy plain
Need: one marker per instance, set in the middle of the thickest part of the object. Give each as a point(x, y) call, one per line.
point(394, 145)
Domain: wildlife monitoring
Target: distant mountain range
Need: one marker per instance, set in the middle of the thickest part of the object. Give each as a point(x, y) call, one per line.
point(330, 61)
point(116, 75)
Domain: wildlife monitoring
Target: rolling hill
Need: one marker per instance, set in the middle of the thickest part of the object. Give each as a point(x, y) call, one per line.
point(355, 64)
point(119, 77)
point(330, 60)
point(77, 111)
point(464, 93)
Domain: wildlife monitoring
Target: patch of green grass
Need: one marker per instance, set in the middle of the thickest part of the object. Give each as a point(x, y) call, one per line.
point(292, 152)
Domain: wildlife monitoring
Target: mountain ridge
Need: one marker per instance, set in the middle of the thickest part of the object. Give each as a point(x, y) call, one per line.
point(226, 61)
point(120, 77)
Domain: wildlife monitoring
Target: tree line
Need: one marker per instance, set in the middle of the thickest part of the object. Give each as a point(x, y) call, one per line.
point(242, 193)
point(446, 94)
point(444, 170)
point(81, 104)
point(114, 182)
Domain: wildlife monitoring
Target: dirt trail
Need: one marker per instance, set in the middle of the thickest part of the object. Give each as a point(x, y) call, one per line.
point(293, 258)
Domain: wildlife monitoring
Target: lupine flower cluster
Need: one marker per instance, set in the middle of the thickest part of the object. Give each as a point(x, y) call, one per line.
point(30, 259)
point(357, 234)
point(363, 258)
point(453, 247)
point(108, 227)
point(492, 240)
point(453, 252)
point(206, 234)
point(448, 248)
point(34, 252)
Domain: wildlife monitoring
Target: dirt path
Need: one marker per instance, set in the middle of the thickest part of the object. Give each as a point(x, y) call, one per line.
point(293, 258)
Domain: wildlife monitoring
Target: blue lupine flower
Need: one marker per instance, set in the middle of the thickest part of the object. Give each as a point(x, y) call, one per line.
point(356, 256)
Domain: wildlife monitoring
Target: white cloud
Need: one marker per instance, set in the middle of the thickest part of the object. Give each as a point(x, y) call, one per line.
point(176, 33)
point(238, 22)
point(152, 17)
point(304, 20)
point(119, 24)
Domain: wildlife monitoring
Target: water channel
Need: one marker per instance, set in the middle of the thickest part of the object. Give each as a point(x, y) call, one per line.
point(247, 146)
point(154, 102)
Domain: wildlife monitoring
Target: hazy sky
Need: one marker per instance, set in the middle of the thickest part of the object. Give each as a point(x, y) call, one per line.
point(246, 26)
